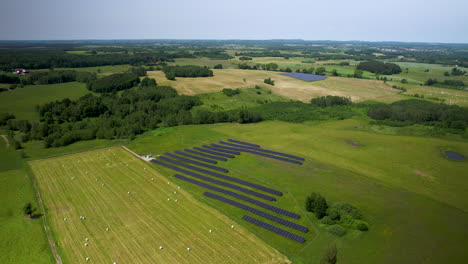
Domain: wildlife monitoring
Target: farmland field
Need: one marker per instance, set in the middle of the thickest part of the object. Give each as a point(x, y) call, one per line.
point(357, 89)
point(154, 214)
point(22, 101)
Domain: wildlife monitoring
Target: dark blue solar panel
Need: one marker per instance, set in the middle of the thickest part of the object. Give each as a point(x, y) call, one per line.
point(213, 152)
point(196, 162)
point(305, 76)
point(244, 143)
point(222, 150)
point(258, 153)
point(205, 155)
point(196, 157)
point(263, 150)
point(274, 229)
point(222, 176)
point(240, 197)
point(222, 183)
point(258, 212)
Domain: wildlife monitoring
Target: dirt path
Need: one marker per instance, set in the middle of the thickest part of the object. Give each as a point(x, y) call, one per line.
point(7, 143)
point(136, 155)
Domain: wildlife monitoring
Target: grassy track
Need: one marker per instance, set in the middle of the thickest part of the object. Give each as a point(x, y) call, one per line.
point(357, 89)
point(22, 101)
point(410, 194)
point(139, 222)
point(21, 240)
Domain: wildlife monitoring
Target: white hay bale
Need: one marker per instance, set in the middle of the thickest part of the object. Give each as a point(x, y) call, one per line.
point(211, 231)
point(168, 183)
point(232, 226)
point(128, 192)
point(107, 229)
point(85, 244)
point(176, 200)
point(97, 179)
point(87, 259)
point(175, 192)
point(188, 249)
point(86, 172)
point(144, 168)
point(160, 247)
point(65, 219)
point(152, 179)
point(103, 184)
point(168, 199)
point(178, 187)
point(72, 178)
point(86, 239)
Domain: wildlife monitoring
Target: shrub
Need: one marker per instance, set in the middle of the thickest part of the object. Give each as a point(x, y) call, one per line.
point(361, 225)
point(330, 100)
point(333, 213)
point(349, 209)
point(327, 221)
point(337, 230)
point(231, 92)
point(269, 81)
point(218, 66)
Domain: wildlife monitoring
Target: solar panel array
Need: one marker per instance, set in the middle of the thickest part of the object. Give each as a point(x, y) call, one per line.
point(258, 212)
point(244, 143)
point(222, 176)
point(305, 76)
point(239, 196)
point(214, 152)
point(222, 150)
point(222, 183)
point(205, 155)
point(264, 150)
point(258, 153)
point(196, 162)
point(195, 157)
point(274, 229)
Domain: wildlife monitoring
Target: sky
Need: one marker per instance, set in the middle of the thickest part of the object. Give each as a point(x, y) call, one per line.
point(366, 20)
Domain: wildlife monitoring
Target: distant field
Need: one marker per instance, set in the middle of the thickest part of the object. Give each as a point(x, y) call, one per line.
point(357, 89)
point(104, 70)
point(139, 222)
point(450, 96)
point(22, 101)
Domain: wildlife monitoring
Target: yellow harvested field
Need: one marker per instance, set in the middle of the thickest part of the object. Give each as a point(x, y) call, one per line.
point(357, 89)
point(131, 211)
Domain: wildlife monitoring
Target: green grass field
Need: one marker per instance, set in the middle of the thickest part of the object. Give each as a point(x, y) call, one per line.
point(21, 240)
point(139, 222)
point(412, 197)
point(22, 101)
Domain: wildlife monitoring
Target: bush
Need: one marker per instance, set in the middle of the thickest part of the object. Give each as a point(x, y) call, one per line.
point(337, 230)
point(218, 66)
point(327, 221)
point(269, 81)
point(361, 225)
point(330, 100)
point(349, 209)
point(334, 214)
point(231, 92)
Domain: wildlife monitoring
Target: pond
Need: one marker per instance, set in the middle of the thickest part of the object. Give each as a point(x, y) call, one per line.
point(453, 155)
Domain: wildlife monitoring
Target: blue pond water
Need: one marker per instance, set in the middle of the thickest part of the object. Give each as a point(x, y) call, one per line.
point(305, 76)
point(454, 155)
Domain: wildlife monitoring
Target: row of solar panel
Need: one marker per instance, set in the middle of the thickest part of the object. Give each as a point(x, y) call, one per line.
point(239, 196)
point(196, 162)
point(273, 228)
point(214, 152)
point(263, 150)
point(205, 155)
point(257, 153)
point(244, 143)
point(222, 183)
point(222, 150)
point(222, 176)
point(195, 157)
point(258, 212)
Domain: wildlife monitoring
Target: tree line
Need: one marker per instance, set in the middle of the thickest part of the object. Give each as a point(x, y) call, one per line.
point(172, 72)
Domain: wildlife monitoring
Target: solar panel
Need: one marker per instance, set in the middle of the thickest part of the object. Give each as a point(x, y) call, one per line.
point(196, 157)
point(222, 183)
point(273, 229)
point(222, 150)
point(240, 197)
point(263, 150)
point(244, 143)
point(196, 162)
point(205, 155)
point(222, 176)
point(258, 153)
point(258, 212)
point(305, 76)
point(213, 152)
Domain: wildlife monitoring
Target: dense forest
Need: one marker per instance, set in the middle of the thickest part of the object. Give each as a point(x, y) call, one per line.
point(114, 82)
point(186, 71)
point(379, 67)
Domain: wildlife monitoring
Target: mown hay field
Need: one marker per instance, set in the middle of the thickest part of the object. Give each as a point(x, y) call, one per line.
point(139, 222)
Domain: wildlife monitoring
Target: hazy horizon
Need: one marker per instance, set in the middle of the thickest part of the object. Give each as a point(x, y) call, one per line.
point(362, 20)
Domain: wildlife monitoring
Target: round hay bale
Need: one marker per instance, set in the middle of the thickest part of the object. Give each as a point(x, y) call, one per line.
point(160, 247)
point(65, 219)
point(232, 226)
point(87, 259)
point(188, 249)
point(211, 231)
point(85, 244)
point(86, 239)
point(107, 229)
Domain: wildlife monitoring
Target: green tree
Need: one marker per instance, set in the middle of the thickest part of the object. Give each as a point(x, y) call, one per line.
point(320, 207)
point(218, 66)
point(320, 71)
point(404, 81)
point(357, 73)
point(29, 210)
point(334, 72)
point(330, 256)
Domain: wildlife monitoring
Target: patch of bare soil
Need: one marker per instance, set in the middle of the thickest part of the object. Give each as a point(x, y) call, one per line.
point(422, 174)
point(352, 143)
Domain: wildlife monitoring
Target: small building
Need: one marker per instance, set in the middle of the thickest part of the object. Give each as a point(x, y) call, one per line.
point(149, 156)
